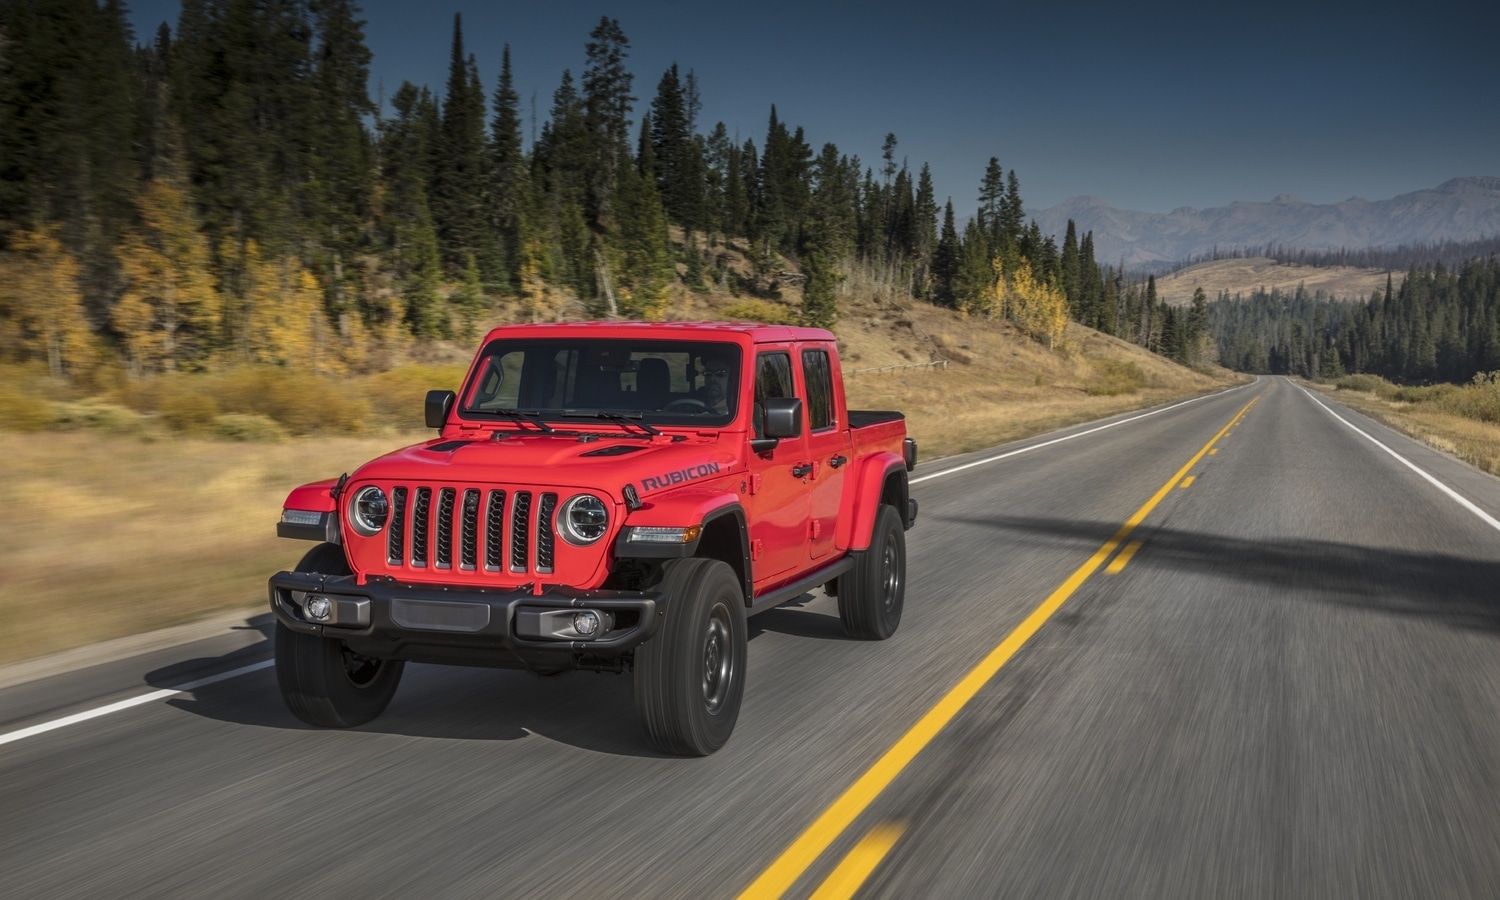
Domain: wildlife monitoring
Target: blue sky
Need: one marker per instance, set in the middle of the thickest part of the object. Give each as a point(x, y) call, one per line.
point(1148, 107)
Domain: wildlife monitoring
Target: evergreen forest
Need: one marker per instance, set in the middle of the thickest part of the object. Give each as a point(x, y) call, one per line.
point(226, 192)
point(1440, 325)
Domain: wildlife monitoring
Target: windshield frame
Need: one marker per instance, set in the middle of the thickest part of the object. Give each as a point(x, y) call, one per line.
point(591, 375)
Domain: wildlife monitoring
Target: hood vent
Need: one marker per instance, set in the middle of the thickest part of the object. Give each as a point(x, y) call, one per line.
point(614, 450)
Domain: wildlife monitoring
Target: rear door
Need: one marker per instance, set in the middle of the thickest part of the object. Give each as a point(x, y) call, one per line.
point(828, 445)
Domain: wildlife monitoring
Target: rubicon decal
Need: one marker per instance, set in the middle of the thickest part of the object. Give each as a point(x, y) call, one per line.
point(681, 476)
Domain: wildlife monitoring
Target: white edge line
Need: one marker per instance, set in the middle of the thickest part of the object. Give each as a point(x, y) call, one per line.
point(1454, 495)
point(1075, 435)
point(97, 712)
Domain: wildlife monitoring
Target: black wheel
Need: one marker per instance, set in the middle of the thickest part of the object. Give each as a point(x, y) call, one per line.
point(324, 682)
point(872, 593)
point(690, 677)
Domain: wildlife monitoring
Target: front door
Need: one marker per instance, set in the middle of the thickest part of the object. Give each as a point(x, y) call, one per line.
point(776, 499)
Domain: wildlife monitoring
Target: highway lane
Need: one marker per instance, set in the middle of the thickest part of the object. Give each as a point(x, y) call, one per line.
point(1290, 689)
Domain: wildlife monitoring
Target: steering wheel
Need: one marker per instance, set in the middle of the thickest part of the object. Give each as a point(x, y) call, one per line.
point(692, 404)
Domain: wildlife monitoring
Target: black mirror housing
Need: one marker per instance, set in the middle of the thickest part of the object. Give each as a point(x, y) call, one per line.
point(439, 404)
point(783, 417)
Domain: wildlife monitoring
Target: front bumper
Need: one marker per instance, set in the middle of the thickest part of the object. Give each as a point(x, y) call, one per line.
point(474, 626)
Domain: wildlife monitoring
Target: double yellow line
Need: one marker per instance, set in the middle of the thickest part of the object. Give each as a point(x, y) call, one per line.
point(836, 819)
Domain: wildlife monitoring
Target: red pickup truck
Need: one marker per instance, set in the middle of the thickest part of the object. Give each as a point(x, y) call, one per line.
point(606, 496)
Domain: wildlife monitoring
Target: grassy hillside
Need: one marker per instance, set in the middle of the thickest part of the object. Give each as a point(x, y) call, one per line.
point(1243, 276)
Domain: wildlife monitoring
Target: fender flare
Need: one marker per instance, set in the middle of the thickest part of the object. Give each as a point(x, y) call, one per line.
point(866, 492)
point(725, 535)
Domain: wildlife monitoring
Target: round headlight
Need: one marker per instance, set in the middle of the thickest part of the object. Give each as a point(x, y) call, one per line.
point(369, 510)
point(583, 519)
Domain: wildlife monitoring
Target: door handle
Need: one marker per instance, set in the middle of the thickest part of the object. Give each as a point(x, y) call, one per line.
point(802, 471)
point(838, 461)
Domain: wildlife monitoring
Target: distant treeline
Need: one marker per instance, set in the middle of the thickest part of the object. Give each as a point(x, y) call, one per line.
point(1452, 254)
point(1442, 324)
point(229, 193)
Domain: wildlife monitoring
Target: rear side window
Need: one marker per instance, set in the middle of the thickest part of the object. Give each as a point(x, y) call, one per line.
point(819, 375)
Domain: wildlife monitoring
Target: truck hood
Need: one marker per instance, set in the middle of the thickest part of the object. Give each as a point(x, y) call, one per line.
point(607, 464)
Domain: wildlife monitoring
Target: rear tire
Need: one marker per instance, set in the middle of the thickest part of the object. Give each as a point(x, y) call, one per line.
point(872, 593)
point(690, 677)
point(324, 682)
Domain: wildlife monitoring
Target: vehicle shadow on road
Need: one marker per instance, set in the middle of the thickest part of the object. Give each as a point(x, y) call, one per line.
point(1456, 590)
point(589, 710)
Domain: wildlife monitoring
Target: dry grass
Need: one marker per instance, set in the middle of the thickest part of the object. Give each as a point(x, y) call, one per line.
point(1445, 417)
point(121, 526)
point(1244, 276)
point(998, 385)
point(112, 536)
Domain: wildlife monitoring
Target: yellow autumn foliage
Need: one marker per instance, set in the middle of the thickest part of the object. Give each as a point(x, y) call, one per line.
point(285, 312)
point(41, 306)
point(1036, 306)
point(169, 314)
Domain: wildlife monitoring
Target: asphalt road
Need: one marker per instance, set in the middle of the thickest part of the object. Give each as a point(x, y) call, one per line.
point(1291, 688)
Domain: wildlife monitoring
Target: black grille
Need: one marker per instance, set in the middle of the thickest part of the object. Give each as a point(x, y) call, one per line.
point(468, 532)
point(520, 532)
point(471, 528)
point(395, 547)
point(546, 537)
point(443, 556)
point(419, 526)
point(494, 531)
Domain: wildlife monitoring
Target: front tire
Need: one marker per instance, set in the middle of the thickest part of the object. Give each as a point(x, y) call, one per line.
point(690, 677)
point(872, 594)
point(323, 681)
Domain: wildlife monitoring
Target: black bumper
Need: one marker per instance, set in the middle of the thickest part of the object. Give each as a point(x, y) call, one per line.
point(465, 626)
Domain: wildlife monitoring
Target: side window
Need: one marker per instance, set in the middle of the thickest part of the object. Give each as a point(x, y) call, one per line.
point(819, 375)
point(773, 378)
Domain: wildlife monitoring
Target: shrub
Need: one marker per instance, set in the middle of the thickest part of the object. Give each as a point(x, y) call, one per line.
point(1115, 377)
point(396, 395)
point(1480, 399)
point(188, 411)
point(97, 413)
point(248, 427)
point(20, 412)
point(1369, 384)
point(760, 311)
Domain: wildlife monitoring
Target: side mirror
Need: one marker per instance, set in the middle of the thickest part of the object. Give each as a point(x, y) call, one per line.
point(439, 404)
point(783, 417)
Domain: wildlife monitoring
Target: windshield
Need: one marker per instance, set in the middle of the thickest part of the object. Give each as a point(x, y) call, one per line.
point(659, 382)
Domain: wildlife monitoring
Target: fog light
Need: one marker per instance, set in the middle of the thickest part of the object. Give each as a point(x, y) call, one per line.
point(319, 609)
point(586, 622)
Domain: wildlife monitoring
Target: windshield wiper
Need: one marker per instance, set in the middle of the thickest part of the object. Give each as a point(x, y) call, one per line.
point(623, 419)
point(517, 415)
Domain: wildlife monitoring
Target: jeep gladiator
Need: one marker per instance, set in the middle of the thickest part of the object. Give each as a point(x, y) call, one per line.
point(608, 496)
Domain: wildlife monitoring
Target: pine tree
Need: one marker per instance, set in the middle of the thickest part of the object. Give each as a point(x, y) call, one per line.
point(342, 153)
point(606, 103)
point(992, 203)
point(680, 167)
point(512, 187)
point(945, 261)
point(462, 174)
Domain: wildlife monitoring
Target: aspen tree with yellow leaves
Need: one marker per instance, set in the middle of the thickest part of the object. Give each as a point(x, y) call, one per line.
point(1037, 307)
point(41, 306)
point(169, 315)
point(285, 306)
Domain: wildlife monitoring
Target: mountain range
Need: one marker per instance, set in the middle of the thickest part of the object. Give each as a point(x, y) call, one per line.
point(1460, 209)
